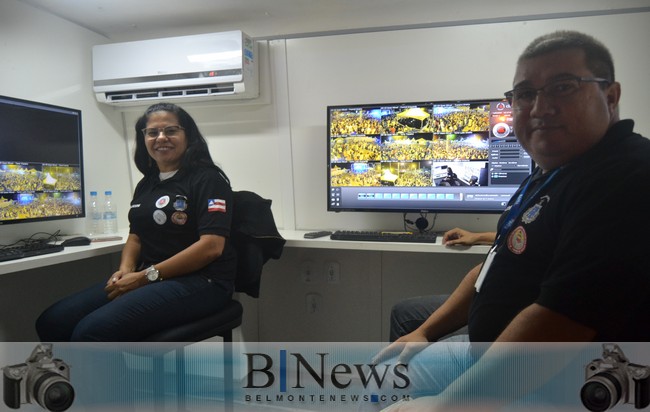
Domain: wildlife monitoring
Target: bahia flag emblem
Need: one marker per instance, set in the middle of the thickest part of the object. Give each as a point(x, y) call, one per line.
point(217, 205)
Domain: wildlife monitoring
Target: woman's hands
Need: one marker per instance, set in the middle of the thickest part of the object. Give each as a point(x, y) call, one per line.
point(194, 257)
point(124, 281)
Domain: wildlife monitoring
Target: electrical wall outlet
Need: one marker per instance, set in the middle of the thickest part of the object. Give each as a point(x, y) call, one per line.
point(333, 272)
point(314, 302)
point(308, 273)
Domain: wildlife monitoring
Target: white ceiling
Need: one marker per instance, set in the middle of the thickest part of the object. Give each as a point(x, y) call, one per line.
point(139, 19)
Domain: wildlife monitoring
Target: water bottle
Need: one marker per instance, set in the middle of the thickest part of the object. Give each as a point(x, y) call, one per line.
point(110, 214)
point(95, 215)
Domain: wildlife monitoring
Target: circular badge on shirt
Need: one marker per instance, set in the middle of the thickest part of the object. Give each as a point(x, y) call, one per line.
point(159, 217)
point(180, 203)
point(162, 202)
point(517, 240)
point(179, 218)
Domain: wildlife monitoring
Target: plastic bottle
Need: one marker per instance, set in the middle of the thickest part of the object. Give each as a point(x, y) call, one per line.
point(110, 214)
point(95, 215)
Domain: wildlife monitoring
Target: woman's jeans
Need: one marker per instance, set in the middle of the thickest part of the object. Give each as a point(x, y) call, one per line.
point(90, 316)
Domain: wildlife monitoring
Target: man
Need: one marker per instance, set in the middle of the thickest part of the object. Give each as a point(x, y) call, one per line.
point(558, 271)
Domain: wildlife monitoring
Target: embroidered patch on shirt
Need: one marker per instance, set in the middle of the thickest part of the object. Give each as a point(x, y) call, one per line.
point(517, 240)
point(533, 212)
point(217, 205)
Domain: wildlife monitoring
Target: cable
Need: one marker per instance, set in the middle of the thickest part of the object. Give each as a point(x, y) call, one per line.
point(33, 239)
point(421, 224)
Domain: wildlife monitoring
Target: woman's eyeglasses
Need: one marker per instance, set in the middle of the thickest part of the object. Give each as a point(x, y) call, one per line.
point(169, 131)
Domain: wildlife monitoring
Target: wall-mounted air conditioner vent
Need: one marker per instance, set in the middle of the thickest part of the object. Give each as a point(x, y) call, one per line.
point(192, 68)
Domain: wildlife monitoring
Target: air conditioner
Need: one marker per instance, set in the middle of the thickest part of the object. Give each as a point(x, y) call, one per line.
point(188, 68)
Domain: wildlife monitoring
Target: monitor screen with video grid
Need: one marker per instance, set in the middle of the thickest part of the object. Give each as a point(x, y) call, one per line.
point(445, 156)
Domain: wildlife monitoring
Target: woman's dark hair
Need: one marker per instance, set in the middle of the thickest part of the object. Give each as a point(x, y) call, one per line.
point(597, 57)
point(197, 154)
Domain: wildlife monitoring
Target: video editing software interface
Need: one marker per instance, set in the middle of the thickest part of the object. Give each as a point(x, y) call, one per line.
point(41, 173)
point(446, 156)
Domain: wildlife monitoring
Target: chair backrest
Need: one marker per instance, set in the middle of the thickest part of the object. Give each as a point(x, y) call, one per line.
point(255, 238)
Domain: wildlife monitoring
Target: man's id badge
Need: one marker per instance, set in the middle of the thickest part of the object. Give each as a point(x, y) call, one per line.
point(484, 269)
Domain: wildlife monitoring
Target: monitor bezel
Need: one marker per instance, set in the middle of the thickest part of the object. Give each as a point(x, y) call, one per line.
point(77, 113)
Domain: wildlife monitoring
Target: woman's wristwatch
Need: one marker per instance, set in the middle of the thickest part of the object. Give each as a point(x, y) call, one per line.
point(152, 274)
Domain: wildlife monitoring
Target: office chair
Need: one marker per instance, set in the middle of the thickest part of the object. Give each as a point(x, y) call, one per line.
point(256, 240)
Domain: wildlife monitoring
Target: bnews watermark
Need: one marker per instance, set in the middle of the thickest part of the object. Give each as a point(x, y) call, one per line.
point(321, 398)
point(297, 377)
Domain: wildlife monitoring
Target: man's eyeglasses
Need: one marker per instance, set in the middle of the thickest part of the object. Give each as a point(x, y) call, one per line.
point(169, 131)
point(524, 97)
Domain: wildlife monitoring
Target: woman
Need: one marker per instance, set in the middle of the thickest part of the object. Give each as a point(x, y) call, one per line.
point(177, 264)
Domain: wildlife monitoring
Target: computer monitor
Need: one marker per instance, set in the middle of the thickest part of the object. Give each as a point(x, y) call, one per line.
point(436, 156)
point(41, 162)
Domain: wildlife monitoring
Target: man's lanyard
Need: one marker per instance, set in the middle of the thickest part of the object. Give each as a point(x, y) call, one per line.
point(520, 204)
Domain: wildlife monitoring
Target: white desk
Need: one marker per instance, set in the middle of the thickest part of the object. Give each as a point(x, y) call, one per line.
point(294, 239)
point(68, 254)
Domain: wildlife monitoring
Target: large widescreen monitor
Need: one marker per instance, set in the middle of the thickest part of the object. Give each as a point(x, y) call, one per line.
point(438, 156)
point(41, 166)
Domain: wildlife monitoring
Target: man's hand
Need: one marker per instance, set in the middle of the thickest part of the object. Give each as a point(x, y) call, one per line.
point(403, 348)
point(464, 237)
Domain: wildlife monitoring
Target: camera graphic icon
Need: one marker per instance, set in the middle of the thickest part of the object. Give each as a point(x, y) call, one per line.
point(42, 379)
point(615, 379)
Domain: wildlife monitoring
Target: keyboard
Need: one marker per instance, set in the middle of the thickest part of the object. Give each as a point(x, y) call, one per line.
point(379, 236)
point(34, 249)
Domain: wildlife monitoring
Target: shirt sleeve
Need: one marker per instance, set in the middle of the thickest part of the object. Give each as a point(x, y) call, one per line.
point(214, 205)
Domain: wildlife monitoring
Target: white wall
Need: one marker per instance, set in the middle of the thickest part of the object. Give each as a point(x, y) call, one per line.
point(441, 63)
point(47, 59)
point(276, 145)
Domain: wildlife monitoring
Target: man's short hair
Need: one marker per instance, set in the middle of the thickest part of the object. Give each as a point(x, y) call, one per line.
point(598, 58)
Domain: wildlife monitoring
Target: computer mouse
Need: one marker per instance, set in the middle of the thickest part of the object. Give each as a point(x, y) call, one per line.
point(76, 241)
